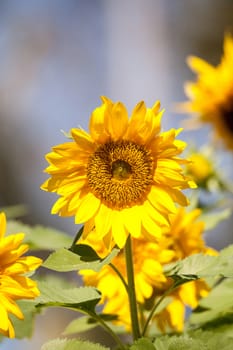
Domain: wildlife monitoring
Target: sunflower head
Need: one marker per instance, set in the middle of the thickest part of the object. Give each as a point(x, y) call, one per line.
point(14, 285)
point(122, 177)
point(211, 95)
point(184, 238)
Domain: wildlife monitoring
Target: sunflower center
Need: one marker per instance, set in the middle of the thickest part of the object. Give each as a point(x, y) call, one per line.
point(121, 170)
point(227, 113)
point(120, 173)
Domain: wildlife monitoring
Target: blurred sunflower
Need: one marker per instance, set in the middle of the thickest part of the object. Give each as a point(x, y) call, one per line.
point(13, 284)
point(123, 176)
point(172, 317)
point(200, 168)
point(148, 273)
point(211, 96)
point(184, 238)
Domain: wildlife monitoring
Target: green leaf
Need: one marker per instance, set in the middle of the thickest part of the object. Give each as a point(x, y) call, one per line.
point(143, 344)
point(72, 344)
point(196, 340)
point(83, 298)
point(211, 220)
point(40, 237)
point(14, 211)
point(201, 266)
point(191, 268)
point(216, 308)
point(64, 260)
point(85, 323)
point(24, 328)
point(79, 325)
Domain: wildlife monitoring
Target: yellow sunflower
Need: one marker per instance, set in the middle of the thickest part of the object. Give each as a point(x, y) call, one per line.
point(184, 238)
point(124, 176)
point(172, 317)
point(200, 168)
point(148, 273)
point(13, 284)
point(211, 96)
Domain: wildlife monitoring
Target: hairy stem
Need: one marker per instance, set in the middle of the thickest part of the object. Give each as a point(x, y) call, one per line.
point(131, 289)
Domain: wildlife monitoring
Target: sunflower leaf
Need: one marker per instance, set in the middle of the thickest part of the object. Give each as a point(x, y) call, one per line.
point(24, 328)
point(82, 298)
point(201, 266)
point(143, 344)
point(71, 344)
point(196, 340)
point(79, 325)
point(216, 308)
point(64, 260)
point(40, 237)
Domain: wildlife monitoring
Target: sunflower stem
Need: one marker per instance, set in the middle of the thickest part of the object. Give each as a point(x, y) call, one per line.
point(131, 289)
point(120, 276)
point(166, 293)
point(109, 330)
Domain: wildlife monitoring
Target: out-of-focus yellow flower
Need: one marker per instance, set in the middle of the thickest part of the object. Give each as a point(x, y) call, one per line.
point(183, 238)
point(200, 168)
point(211, 96)
point(186, 234)
point(172, 317)
point(148, 260)
point(14, 285)
point(124, 176)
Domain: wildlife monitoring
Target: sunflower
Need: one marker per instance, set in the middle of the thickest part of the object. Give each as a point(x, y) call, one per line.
point(149, 258)
point(172, 317)
point(200, 168)
point(124, 176)
point(13, 284)
point(184, 238)
point(211, 96)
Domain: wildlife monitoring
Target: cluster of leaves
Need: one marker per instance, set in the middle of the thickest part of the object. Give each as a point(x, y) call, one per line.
point(210, 326)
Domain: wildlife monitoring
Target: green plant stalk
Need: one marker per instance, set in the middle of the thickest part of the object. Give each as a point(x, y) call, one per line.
point(155, 307)
point(131, 289)
point(108, 329)
point(120, 276)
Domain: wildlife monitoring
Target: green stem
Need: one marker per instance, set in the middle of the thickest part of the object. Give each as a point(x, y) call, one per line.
point(120, 276)
point(76, 238)
point(109, 330)
point(168, 291)
point(131, 289)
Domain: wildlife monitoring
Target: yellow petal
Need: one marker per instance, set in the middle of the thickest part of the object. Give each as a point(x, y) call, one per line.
point(136, 120)
point(132, 219)
point(2, 225)
point(87, 208)
point(199, 65)
point(159, 195)
point(97, 124)
point(151, 226)
point(103, 221)
point(83, 140)
point(117, 121)
point(119, 232)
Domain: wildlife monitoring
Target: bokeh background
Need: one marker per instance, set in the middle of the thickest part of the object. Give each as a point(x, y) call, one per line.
point(57, 57)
